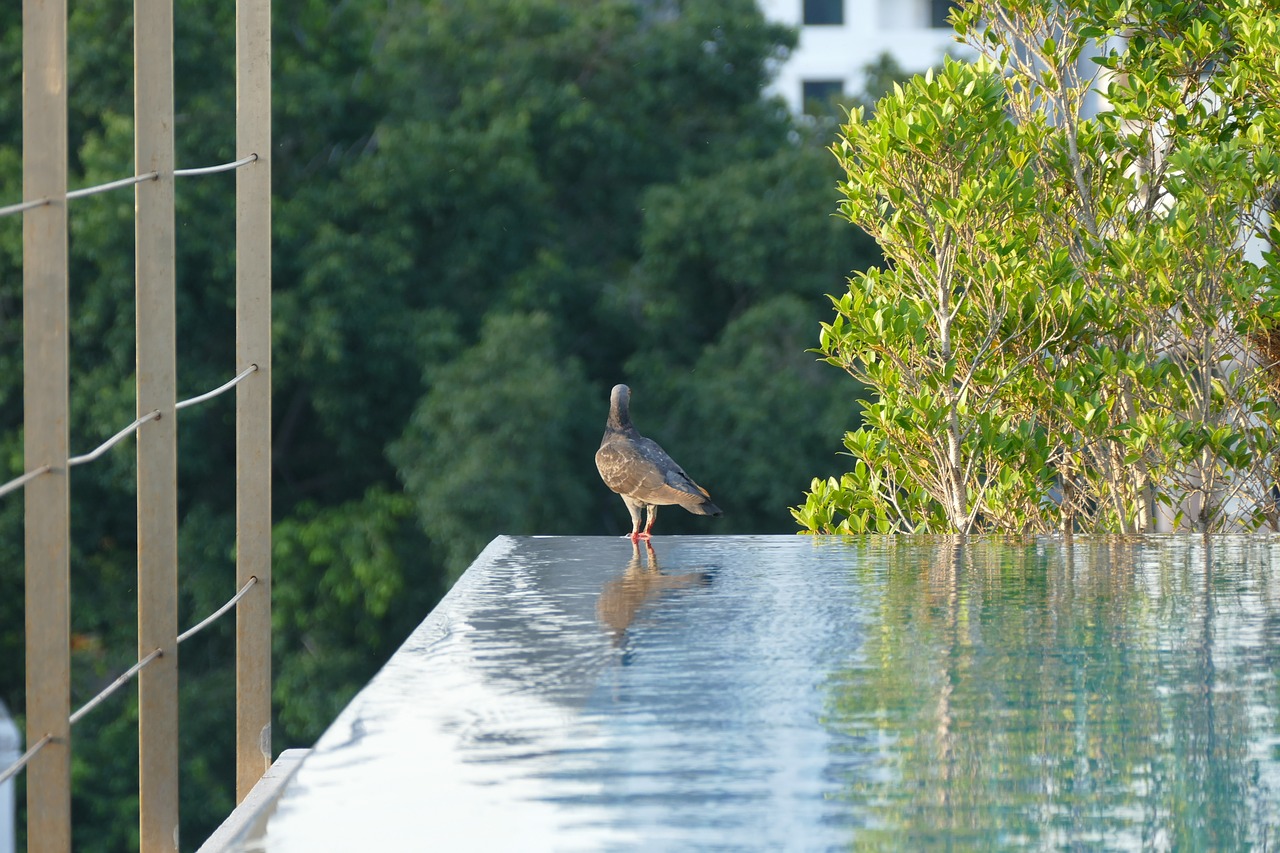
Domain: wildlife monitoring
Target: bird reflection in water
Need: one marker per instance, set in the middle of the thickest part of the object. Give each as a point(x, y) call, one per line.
point(623, 597)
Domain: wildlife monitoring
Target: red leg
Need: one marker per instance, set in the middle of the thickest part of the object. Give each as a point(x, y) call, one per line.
point(653, 513)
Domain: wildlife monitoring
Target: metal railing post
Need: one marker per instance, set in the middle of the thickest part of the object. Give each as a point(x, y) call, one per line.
point(46, 419)
point(157, 442)
point(253, 396)
point(45, 396)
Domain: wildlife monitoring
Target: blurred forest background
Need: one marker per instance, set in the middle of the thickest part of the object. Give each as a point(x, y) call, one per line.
point(486, 214)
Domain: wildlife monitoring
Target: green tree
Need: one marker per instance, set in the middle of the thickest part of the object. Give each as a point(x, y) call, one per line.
point(713, 246)
point(356, 590)
point(497, 445)
point(752, 391)
point(1065, 334)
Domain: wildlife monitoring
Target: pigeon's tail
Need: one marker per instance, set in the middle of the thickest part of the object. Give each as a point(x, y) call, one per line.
point(704, 508)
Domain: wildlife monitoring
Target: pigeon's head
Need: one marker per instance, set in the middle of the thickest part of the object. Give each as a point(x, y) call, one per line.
point(620, 406)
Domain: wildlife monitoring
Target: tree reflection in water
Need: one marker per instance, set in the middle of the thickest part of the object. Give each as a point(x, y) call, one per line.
point(1107, 694)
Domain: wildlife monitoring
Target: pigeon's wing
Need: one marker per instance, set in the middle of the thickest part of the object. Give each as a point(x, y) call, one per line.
point(624, 468)
point(638, 468)
point(674, 485)
point(682, 490)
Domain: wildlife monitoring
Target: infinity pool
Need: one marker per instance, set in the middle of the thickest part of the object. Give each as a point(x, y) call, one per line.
point(798, 693)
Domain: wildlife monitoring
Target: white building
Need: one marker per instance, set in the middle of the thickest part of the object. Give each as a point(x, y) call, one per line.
point(10, 750)
point(839, 38)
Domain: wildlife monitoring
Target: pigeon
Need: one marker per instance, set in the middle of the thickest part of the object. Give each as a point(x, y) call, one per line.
point(642, 472)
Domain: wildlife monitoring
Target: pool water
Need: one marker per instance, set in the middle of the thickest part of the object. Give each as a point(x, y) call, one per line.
point(812, 693)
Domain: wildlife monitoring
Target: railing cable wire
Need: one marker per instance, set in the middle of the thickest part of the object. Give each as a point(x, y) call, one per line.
point(23, 479)
point(209, 170)
point(214, 616)
point(208, 395)
point(113, 441)
point(114, 686)
point(12, 770)
point(126, 182)
point(22, 205)
point(113, 185)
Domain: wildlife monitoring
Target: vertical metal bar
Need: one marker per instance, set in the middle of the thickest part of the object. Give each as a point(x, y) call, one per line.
point(157, 440)
point(253, 396)
point(47, 503)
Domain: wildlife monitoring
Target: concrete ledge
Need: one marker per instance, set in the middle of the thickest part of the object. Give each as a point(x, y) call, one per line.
point(258, 805)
